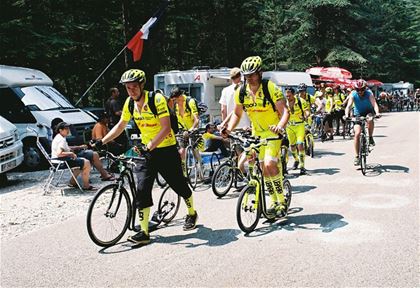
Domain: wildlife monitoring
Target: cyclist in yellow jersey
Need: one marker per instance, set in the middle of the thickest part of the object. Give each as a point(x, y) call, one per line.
point(267, 121)
point(187, 114)
point(299, 112)
point(329, 109)
point(338, 99)
point(303, 94)
point(161, 153)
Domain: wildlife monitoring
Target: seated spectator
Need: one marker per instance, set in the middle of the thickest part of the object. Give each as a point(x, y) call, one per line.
point(83, 152)
point(61, 150)
point(214, 142)
point(100, 130)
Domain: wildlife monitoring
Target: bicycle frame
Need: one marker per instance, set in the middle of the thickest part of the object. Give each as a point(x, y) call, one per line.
point(257, 178)
point(126, 173)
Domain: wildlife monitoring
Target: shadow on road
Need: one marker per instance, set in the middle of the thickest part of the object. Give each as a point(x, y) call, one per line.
point(325, 222)
point(202, 187)
point(375, 169)
point(321, 153)
point(212, 238)
point(326, 171)
point(379, 136)
point(302, 189)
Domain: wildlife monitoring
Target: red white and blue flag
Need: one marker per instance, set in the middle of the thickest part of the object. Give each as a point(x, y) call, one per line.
point(136, 43)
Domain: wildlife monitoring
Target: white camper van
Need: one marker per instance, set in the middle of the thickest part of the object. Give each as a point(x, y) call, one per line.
point(206, 84)
point(11, 154)
point(30, 101)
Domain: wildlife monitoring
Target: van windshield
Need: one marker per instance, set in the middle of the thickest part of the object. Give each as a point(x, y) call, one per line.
point(45, 98)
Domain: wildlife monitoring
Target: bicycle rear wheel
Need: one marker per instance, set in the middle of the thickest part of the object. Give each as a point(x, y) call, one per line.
point(109, 215)
point(192, 169)
point(222, 179)
point(248, 212)
point(169, 204)
point(362, 153)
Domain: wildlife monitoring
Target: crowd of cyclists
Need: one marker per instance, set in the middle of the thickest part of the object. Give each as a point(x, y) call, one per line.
point(253, 104)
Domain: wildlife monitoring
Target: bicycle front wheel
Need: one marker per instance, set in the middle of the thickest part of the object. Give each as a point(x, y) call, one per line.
point(168, 204)
point(362, 153)
point(222, 179)
point(248, 211)
point(109, 215)
point(310, 143)
point(287, 192)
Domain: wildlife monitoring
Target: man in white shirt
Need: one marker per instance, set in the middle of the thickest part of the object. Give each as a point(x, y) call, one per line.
point(227, 101)
point(61, 150)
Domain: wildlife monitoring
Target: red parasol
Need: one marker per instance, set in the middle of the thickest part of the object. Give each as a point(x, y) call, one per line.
point(374, 82)
point(316, 71)
point(336, 72)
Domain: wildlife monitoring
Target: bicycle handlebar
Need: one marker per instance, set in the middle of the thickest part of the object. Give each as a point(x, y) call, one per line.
point(362, 118)
point(251, 142)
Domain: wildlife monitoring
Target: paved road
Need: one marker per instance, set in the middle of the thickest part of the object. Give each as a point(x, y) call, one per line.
point(347, 230)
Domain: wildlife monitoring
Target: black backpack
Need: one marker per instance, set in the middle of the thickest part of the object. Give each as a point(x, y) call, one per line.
point(152, 106)
point(267, 96)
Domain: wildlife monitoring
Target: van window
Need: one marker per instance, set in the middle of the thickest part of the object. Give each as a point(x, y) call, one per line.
point(15, 111)
point(193, 90)
point(45, 98)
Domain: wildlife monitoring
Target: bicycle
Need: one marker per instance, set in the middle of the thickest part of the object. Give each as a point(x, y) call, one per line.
point(193, 162)
point(252, 199)
point(364, 146)
point(309, 142)
point(113, 211)
point(228, 173)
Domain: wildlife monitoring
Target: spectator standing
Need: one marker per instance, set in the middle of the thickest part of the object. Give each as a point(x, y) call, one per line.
point(227, 100)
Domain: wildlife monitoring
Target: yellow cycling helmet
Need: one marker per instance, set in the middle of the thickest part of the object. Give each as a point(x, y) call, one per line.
point(329, 90)
point(133, 75)
point(318, 94)
point(251, 65)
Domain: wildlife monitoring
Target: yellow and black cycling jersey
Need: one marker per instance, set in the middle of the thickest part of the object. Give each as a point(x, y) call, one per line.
point(296, 113)
point(338, 100)
point(329, 104)
point(147, 122)
point(187, 120)
point(310, 99)
point(261, 117)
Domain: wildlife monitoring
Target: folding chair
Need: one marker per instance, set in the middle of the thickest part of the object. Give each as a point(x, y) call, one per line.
point(56, 168)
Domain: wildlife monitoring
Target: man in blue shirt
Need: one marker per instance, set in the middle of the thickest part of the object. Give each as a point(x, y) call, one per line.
point(364, 105)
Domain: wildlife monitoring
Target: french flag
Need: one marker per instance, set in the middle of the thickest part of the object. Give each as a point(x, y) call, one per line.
point(136, 43)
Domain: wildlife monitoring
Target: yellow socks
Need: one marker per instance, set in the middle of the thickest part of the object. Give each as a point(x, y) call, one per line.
point(301, 159)
point(278, 187)
point(190, 205)
point(270, 188)
point(144, 219)
point(295, 154)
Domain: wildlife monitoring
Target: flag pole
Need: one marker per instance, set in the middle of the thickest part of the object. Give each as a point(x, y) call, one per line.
point(100, 75)
point(158, 13)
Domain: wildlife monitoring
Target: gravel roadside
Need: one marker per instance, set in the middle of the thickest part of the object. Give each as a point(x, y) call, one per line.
point(25, 208)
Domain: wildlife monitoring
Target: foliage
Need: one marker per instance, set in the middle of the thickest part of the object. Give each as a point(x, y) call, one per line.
point(73, 41)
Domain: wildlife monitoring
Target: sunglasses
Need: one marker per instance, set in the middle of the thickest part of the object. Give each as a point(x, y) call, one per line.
point(360, 90)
